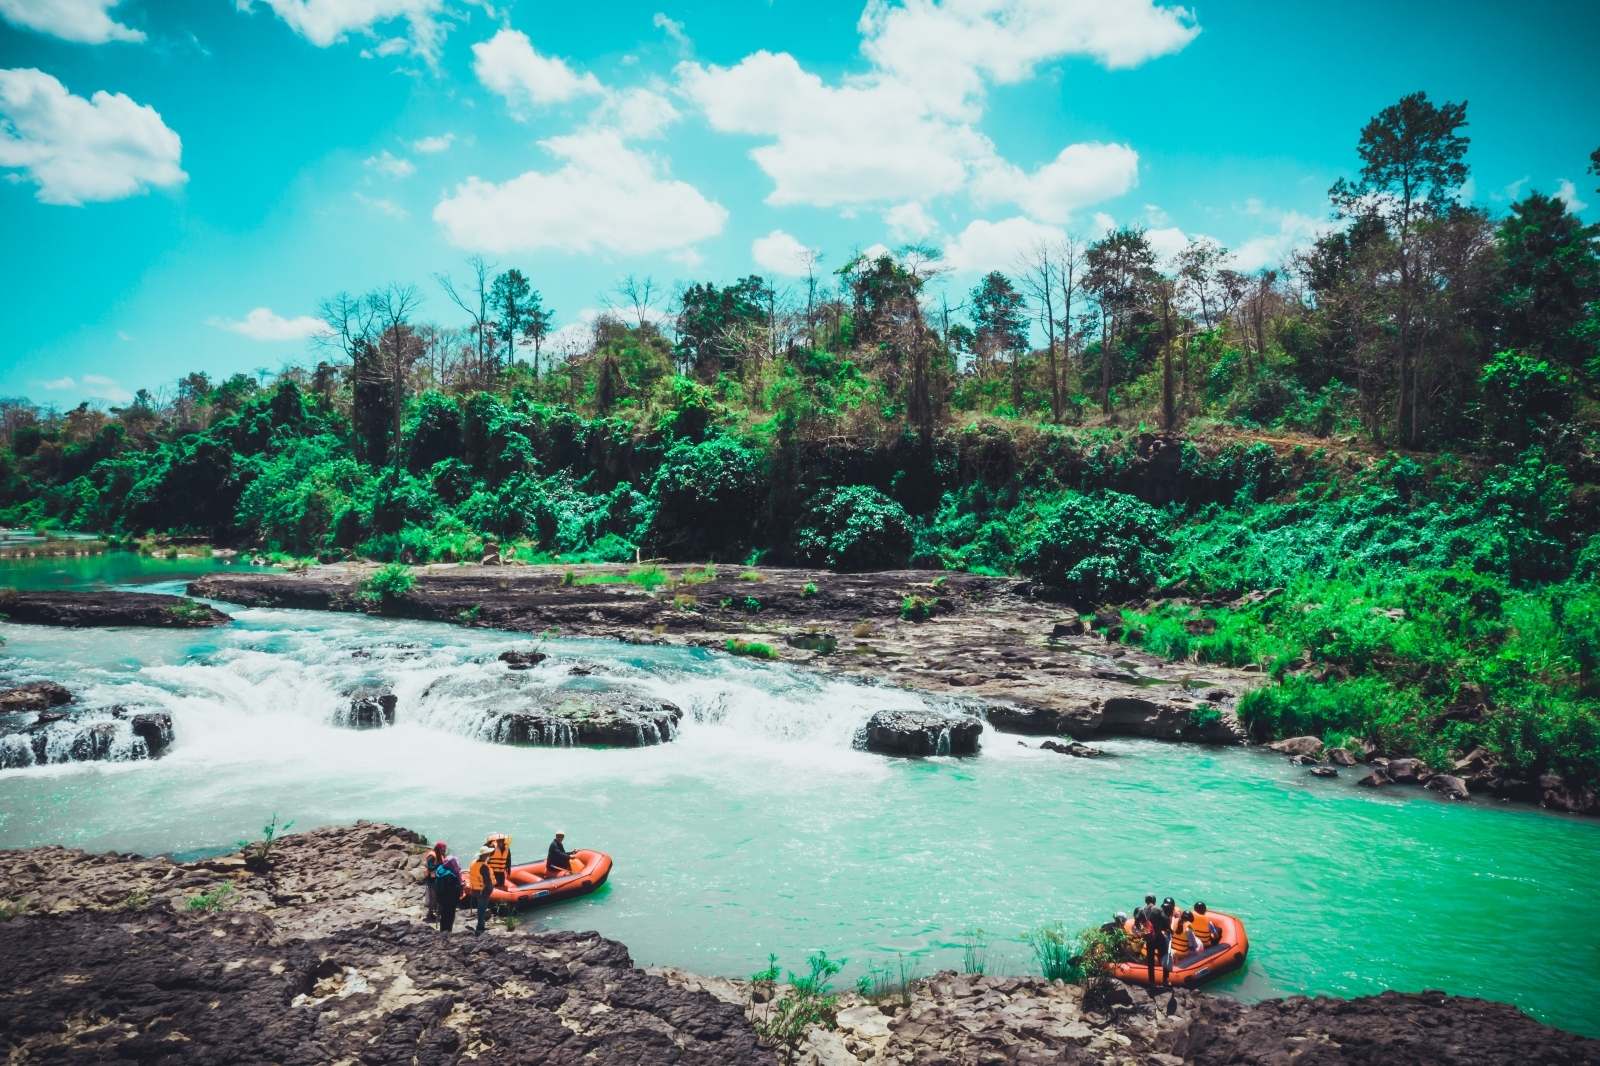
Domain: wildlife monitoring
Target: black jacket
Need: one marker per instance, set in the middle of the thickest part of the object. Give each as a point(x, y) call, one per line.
point(558, 859)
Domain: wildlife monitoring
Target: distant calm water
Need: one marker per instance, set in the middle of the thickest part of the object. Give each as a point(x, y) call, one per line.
point(760, 829)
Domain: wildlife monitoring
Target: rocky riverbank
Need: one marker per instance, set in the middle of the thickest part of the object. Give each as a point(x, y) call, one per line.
point(1036, 667)
point(321, 956)
point(76, 609)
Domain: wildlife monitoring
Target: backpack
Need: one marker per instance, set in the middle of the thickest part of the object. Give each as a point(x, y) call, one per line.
point(445, 880)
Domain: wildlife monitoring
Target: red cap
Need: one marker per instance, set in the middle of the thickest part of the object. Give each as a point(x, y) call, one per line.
point(439, 846)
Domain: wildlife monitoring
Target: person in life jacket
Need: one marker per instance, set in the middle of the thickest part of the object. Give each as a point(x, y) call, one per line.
point(558, 861)
point(1184, 940)
point(446, 887)
point(1207, 930)
point(1155, 928)
point(480, 881)
point(500, 857)
point(435, 857)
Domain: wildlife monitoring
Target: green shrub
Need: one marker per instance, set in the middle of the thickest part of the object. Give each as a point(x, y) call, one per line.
point(1100, 548)
point(917, 608)
point(387, 582)
point(707, 498)
point(751, 649)
point(854, 528)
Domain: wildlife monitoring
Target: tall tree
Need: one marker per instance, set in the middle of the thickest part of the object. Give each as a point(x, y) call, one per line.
point(396, 351)
point(1051, 274)
point(475, 302)
point(512, 301)
point(1120, 266)
point(1000, 326)
point(1412, 163)
point(1552, 280)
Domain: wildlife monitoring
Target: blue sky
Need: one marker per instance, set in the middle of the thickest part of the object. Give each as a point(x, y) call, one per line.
point(188, 177)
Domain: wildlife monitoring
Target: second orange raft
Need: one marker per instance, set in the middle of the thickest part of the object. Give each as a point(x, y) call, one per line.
point(530, 883)
point(1228, 953)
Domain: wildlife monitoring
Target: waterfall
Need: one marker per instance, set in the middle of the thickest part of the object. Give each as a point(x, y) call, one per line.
point(942, 745)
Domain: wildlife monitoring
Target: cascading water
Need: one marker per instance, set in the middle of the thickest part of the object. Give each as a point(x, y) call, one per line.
point(756, 826)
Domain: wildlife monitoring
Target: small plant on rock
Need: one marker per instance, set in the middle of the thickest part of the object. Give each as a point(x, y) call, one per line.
point(1052, 950)
point(751, 649)
point(974, 951)
point(11, 908)
point(211, 902)
point(188, 612)
point(809, 1001)
point(263, 847)
point(916, 608)
point(809, 590)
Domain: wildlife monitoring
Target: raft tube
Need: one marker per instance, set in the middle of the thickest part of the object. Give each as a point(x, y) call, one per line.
point(529, 884)
point(1228, 953)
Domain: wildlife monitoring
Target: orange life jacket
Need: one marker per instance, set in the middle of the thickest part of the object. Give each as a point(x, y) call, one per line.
point(500, 858)
point(477, 873)
point(1206, 929)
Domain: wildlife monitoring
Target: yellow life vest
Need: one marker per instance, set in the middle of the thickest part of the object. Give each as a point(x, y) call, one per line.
point(476, 874)
point(1180, 941)
point(500, 858)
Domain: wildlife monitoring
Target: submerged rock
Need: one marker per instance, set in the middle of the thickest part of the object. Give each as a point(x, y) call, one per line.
point(1075, 749)
point(522, 660)
point(1323, 771)
point(565, 717)
point(371, 707)
point(921, 733)
point(76, 609)
point(113, 734)
point(1449, 786)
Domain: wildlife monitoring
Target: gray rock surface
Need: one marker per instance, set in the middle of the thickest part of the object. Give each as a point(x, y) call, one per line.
point(921, 733)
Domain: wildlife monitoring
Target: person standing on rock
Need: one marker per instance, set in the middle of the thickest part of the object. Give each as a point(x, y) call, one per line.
point(1156, 929)
point(435, 858)
point(446, 888)
point(481, 880)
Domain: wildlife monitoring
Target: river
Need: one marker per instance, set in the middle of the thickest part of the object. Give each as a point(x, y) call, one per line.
point(760, 829)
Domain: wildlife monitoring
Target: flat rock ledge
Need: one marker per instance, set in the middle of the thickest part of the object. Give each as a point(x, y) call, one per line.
point(921, 733)
point(564, 718)
point(82, 609)
point(107, 963)
point(1196, 722)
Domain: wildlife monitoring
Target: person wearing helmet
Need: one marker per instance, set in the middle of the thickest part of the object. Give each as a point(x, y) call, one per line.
point(1204, 926)
point(482, 883)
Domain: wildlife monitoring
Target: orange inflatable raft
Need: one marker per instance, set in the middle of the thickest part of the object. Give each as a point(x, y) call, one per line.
point(529, 884)
point(1228, 953)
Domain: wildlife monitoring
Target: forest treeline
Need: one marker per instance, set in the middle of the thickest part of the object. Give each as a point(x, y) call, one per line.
point(1397, 427)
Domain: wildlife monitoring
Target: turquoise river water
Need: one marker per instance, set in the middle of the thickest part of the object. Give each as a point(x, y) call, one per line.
point(760, 829)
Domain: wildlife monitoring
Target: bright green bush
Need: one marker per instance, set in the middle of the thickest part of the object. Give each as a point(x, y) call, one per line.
point(854, 528)
point(1100, 548)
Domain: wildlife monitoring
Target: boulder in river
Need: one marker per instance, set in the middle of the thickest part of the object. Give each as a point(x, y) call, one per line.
point(371, 707)
point(1073, 748)
point(1167, 720)
point(1409, 771)
point(1074, 718)
point(568, 717)
point(1377, 777)
point(1297, 746)
point(1449, 786)
point(522, 660)
point(1341, 757)
point(1324, 771)
point(110, 734)
point(921, 733)
point(78, 609)
point(34, 696)
point(1559, 795)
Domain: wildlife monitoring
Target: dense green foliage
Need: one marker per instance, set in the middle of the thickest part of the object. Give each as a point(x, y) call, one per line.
point(1399, 430)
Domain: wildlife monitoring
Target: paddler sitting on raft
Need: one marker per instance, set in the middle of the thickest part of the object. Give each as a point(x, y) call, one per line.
point(560, 862)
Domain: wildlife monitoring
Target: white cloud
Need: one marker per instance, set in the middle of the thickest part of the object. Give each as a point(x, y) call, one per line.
point(508, 64)
point(391, 167)
point(637, 112)
point(1568, 192)
point(262, 325)
point(91, 385)
point(854, 144)
point(1167, 242)
point(985, 246)
point(327, 22)
point(1270, 249)
point(910, 222)
point(904, 130)
point(605, 196)
point(431, 145)
point(780, 253)
point(1081, 174)
point(388, 207)
point(947, 49)
point(77, 150)
point(79, 21)
point(674, 29)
